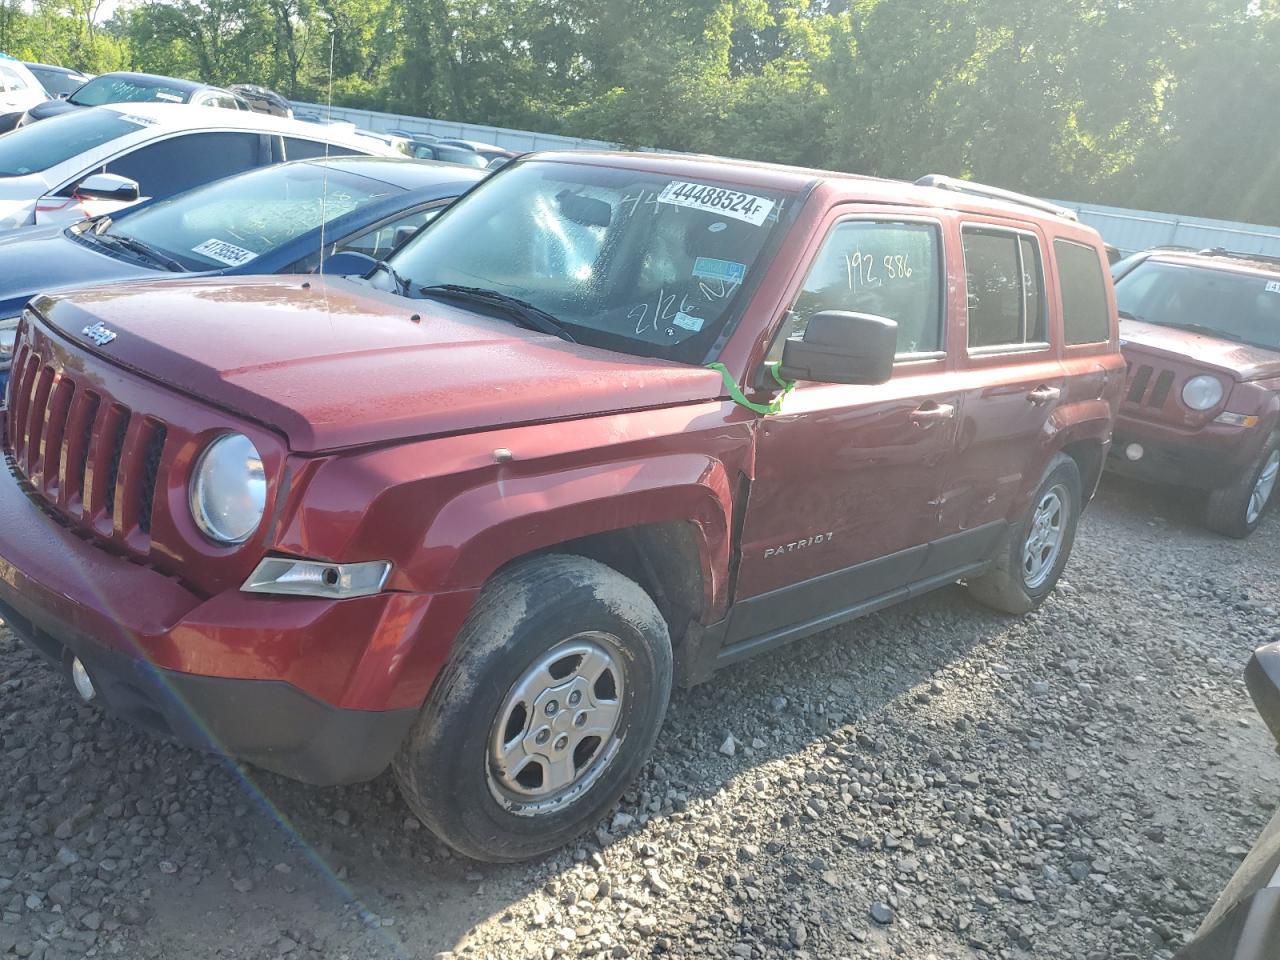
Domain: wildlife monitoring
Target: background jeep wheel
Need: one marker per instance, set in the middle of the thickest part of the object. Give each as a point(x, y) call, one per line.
point(1236, 510)
point(547, 709)
point(1038, 548)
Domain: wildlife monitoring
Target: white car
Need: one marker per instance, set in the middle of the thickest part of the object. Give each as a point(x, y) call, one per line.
point(101, 159)
point(19, 88)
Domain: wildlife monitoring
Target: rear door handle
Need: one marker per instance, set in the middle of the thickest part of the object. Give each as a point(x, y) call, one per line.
point(930, 413)
point(1043, 395)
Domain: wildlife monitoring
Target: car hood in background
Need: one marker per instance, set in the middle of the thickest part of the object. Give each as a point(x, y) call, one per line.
point(1240, 360)
point(334, 364)
point(50, 108)
point(39, 259)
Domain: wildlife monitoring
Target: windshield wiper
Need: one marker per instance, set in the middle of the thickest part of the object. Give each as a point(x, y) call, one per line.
point(1199, 328)
point(521, 311)
point(1126, 315)
point(144, 250)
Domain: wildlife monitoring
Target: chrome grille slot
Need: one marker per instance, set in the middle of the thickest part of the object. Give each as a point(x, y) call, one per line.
point(1138, 386)
point(1160, 392)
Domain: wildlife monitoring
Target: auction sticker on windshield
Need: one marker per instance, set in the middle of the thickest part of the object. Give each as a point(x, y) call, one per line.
point(224, 252)
point(730, 203)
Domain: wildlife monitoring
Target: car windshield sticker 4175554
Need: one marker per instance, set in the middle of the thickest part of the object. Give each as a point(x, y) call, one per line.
point(224, 252)
point(719, 200)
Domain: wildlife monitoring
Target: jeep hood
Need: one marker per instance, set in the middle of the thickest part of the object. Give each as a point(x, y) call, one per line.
point(333, 364)
point(1239, 360)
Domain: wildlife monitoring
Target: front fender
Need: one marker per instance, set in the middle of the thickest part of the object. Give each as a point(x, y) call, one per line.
point(482, 529)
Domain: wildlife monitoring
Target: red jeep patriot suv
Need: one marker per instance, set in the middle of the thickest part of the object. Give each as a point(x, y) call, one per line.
point(1202, 401)
point(612, 421)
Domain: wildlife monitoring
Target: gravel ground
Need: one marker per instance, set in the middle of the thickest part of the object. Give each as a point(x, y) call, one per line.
point(932, 782)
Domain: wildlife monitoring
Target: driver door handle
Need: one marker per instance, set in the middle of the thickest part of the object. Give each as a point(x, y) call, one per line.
point(927, 414)
point(1042, 395)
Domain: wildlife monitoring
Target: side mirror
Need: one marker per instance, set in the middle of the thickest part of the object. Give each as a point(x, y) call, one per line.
point(108, 186)
point(841, 347)
point(403, 236)
point(347, 263)
point(1262, 677)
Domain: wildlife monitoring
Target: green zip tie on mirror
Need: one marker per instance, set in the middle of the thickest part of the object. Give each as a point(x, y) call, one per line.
point(735, 392)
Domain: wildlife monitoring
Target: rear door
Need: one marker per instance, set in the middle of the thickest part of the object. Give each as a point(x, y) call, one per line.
point(848, 477)
point(1011, 370)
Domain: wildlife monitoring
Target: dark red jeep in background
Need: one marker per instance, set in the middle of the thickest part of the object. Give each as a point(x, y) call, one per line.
point(612, 422)
point(1201, 337)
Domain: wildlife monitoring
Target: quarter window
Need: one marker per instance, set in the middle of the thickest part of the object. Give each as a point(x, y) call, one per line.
point(1085, 318)
point(1006, 288)
point(180, 163)
point(886, 268)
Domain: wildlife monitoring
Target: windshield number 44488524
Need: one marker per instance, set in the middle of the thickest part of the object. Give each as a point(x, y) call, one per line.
point(730, 203)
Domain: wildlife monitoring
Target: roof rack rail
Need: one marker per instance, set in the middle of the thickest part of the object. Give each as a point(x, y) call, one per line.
point(941, 182)
point(1224, 252)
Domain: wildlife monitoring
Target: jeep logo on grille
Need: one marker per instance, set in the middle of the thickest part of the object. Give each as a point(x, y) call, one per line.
point(99, 333)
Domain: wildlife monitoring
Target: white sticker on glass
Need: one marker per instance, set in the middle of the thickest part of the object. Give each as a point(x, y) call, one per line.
point(224, 252)
point(728, 203)
point(687, 322)
point(1273, 286)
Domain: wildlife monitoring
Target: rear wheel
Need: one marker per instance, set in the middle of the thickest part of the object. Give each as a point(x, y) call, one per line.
point(1236, 510)
point(1038, 548)
point(548, 708)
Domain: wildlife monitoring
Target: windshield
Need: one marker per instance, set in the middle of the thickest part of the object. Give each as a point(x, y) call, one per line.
point(628, 260)
point(127, 90)
point(56, 82)
point(48, 143)
point(1237, 306)
point(234, 221)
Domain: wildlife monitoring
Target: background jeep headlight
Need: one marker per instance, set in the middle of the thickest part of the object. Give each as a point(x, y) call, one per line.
point(8, 337)
point(229, 489)
point(1202, 393)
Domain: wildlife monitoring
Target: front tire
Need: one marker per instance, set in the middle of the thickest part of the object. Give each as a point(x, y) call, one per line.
point(1236, 510)
point(545, 713)
point(1038, 548)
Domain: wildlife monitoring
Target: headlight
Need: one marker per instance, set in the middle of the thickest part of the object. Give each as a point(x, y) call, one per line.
point(8, 337)
point(229, 489)
point(1202, 393)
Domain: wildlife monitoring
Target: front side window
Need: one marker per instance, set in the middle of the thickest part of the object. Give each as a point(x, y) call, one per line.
point(231, 223)
point(888, 269)
point(46, 144)
point(1006, 289)
point(1085, 317)
point(102, 90)
point(1222, 303)
point(190, 160)
point(12, 79)
point(626, 259)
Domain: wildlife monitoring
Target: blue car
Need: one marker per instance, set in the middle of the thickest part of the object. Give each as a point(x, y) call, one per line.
point(265, 221)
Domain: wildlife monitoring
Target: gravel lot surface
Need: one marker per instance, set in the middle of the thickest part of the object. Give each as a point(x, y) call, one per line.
point(932, 782)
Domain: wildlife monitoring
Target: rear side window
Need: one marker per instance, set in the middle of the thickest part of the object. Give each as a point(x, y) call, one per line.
point(180, 163)
point(1084, 296)
point(295, 148)
point(1006, 288)
point(889, 269)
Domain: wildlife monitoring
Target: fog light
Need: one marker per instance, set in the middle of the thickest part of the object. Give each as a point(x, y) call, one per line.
point(1134, 451)
point(83, 684)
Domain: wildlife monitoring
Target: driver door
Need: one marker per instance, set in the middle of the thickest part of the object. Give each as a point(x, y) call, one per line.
point(848, 485)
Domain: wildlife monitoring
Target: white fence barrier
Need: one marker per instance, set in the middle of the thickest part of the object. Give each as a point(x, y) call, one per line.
point(1129, 230)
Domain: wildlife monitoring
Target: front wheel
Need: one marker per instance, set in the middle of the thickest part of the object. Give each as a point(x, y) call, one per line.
point(1038, 547)
point(1236, 510)
point(551, 702)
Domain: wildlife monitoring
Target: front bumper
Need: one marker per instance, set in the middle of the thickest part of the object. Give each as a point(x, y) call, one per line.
point(319, 690)
point(266, 722)
point(1205, 459)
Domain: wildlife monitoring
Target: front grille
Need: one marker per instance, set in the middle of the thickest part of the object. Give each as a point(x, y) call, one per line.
point(94, 461)
point(1142, 392)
